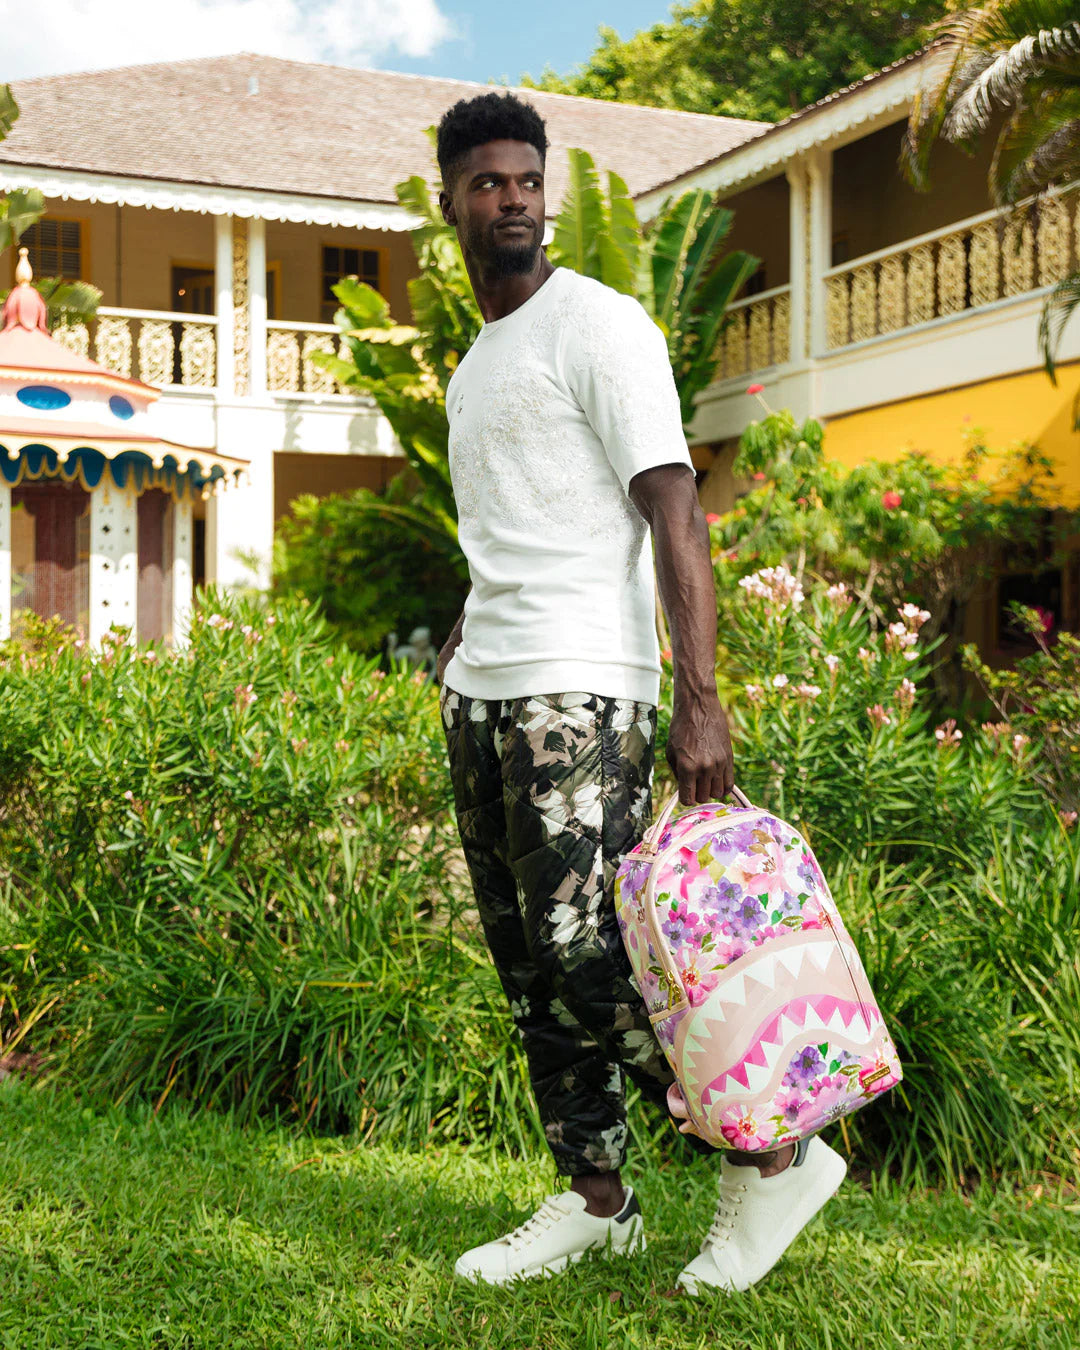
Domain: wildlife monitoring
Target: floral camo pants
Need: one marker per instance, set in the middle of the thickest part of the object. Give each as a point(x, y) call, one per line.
point(550, 792)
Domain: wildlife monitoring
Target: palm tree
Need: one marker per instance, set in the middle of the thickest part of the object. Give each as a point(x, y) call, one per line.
point(1019, 58)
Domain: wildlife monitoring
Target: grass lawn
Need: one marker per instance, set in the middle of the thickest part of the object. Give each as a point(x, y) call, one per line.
point(120, 1230)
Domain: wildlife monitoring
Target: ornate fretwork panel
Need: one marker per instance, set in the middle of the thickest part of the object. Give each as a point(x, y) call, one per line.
point(985, 252)
point(75, 337)
point(198, 356)
point(112, 344)
point(241, 315)
point(1053, 241)
point(282, 362)
point(316, 379)
point(781, 328)
point(891, 295)
point(952, 278)
point(156, 351)
point(836, 311)
point(1018, 258)
point(759, 335)
point(863, 303)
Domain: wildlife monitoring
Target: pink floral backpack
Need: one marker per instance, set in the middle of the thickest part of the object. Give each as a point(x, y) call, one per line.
point(754, 988)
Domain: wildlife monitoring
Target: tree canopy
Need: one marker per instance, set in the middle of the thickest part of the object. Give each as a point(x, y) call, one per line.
point(749, 58)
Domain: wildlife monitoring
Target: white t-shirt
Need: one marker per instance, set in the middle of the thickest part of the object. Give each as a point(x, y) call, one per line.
point(552, 412)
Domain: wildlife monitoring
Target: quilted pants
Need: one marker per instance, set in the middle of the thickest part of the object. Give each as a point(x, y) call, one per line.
point(551, 791)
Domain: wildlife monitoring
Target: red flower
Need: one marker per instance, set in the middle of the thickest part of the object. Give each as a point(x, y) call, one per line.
point(891, 500)
point(666, 654)
point(1046, 618)
point(759, 477)
point(755, 388)
point(712, 518)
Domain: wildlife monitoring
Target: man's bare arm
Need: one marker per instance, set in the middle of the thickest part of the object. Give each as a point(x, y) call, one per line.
point(699, 744)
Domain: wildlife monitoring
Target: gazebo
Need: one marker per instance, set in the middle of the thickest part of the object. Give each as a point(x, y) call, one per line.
point(95, 509)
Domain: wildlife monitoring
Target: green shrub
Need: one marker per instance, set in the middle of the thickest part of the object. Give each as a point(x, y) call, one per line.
point(1039, 702)
point(368, 575)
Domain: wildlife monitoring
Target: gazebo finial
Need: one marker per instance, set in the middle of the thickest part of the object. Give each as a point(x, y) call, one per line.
point(24, 273)
point(24, 307)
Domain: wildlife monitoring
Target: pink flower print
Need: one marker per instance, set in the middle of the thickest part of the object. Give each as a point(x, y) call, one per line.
point(811, 914)
point(741, 1129)
point(703, 986)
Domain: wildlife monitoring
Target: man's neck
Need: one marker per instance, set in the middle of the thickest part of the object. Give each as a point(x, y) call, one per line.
point(500, 296)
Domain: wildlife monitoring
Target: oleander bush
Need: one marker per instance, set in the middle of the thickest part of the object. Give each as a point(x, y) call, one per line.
point(228, 875)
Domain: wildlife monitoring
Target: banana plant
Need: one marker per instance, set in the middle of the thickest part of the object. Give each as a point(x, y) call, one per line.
point(9, 110)
point(675, 266)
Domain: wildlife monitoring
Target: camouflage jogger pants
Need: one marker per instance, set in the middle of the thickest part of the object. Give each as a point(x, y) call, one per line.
point(550, 792)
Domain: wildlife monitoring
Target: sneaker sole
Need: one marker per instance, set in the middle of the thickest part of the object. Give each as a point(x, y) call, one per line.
point(631, 1245)
point(829, 1180)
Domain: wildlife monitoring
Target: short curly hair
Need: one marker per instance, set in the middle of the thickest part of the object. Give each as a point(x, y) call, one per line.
point(488, 117)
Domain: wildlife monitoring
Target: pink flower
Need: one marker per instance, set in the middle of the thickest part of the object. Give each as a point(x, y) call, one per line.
point(1046, 619)
point(759, 477)
point(905, 695)
point(712, 518)
point(891, 500)
point(741, 1129)
point(665, 655)
point(878, 715)
point(755, 388)
point(947, 735)
point(1067, 818)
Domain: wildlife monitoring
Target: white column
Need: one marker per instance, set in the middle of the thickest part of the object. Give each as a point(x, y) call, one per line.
point(819, 164)
point(244, 515)
point(210, 543)
point(182, 556)
point(257, 304)
point(796, 177)
point(114, 559)
point(223, 286)
point(5, 561)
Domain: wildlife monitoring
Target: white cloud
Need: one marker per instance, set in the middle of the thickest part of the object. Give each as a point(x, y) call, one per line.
point(68, 35)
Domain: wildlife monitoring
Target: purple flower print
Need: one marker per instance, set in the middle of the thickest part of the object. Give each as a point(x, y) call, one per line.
point(791, 1105)
point(749, 916)
point(807, 871)
point(678, 927)
point(725, 898)
point(789, 906)
point(804, 1067)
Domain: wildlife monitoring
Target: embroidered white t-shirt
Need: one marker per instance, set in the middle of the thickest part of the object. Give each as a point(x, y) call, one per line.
point(552, 412)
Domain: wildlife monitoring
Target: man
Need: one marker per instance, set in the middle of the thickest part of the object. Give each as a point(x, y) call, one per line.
point(566, 448)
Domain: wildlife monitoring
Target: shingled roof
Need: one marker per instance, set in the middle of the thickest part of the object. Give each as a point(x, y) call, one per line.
point(259, 122)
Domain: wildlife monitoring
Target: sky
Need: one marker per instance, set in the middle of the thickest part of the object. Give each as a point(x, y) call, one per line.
point(480, 40)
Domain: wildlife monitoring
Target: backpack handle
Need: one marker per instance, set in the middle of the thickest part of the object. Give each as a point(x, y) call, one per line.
point(652, 835)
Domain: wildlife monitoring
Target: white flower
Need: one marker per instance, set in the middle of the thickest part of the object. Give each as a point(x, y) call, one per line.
point(753, 693)
point(779, 681)
point(807, 691)
point(833, 662)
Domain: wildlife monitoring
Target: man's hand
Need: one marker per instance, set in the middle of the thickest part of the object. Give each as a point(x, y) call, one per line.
point(449, 647)
point(699, 751)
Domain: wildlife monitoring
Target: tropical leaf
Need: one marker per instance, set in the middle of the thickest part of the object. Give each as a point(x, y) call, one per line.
point(672, 237)
point(68, 302)
point(582, 221)
point(9, 110)
point(620, 244)
point(1062, 302)
point(18, 211)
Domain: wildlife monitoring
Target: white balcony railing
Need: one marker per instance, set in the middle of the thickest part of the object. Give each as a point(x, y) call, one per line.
point(167, 350)
point(965, 266)
point(758, 334)
point(289, 351)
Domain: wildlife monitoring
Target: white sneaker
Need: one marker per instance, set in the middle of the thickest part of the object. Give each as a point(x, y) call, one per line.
point(758, 1218)
point(559, 1233)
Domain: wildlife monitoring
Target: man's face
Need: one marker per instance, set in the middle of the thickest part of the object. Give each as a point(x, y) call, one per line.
point(497, 205)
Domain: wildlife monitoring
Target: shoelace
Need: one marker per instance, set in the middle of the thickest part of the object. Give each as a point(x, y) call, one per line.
point(727, 1208)
point(549, 1213)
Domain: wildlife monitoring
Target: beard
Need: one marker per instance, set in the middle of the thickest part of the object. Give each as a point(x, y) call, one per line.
point(500, 260)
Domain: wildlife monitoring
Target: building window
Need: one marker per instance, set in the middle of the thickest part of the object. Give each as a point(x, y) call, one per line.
point(364, 263)
point(57, 249)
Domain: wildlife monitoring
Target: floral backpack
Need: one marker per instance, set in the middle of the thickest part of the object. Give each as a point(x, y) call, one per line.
point(754, 988)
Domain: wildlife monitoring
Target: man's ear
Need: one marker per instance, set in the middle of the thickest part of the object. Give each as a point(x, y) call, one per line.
point(446, 206)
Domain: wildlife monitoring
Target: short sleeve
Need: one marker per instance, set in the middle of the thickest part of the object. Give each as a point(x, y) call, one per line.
point(617, 366)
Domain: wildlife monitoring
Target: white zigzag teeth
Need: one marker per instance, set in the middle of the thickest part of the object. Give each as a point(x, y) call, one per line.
point(791, 960)
point(821, 954)
point(734, 991)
